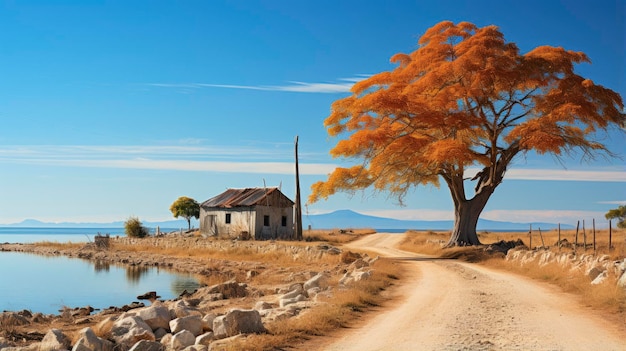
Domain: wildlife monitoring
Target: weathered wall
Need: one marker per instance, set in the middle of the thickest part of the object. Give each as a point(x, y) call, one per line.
point(275, 229)
point(250, 220)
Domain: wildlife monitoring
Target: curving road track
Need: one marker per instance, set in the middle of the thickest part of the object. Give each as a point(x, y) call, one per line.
point(451, 305)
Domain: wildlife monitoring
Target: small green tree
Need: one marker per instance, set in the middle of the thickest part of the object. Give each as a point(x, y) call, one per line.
point(618, 213)
point(134, 228)
point(185, 207)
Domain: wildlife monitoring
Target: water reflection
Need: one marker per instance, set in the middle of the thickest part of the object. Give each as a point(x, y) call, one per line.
point(73, 282)
point(181, 283)
point(134, 273)
point(101, 266)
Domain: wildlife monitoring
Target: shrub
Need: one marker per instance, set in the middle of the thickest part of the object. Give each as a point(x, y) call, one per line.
point(134, 228)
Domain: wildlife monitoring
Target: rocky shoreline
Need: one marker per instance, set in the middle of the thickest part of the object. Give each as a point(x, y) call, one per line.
point(213, 317)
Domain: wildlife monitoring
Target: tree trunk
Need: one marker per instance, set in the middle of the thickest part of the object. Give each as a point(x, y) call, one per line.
point(189, 224)
point(466, 215)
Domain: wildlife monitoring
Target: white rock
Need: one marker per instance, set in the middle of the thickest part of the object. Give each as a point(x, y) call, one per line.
point(600, 278)
point(130, 330)
point(352, 277)
point(88, 341)
point(317, 281)
point(182, 339)
point(621, 282)
point(289, 301)
point(205, 339)
point(237, 321)
point(145, 345)
point(191, 323)
point(358, 276)
point(180, 309)
point(224, 344)
point(262, 305)
point(54, 340)
point(358, 264)
point(296, 290)
point(167, 339)
point(207, 321)
point(313, 292)
point(155, 316)
point(594, 272)
point(160, 333)
point(196, 348)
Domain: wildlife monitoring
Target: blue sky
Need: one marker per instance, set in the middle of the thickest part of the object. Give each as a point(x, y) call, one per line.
point(111, 109)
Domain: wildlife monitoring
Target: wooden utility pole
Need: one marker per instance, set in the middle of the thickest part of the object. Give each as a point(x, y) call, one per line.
point(298, 214)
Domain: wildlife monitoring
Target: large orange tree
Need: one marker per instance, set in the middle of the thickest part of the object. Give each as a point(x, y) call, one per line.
point(465, 98)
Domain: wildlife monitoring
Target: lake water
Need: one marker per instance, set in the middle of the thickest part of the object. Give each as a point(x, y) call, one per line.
point(61, 235)
point(46, 284)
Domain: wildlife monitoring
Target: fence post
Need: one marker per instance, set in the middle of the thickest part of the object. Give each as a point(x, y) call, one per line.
point(594, 235)
point(576, 240)
point(584, 236)
point(559, 242)
point(610, 235)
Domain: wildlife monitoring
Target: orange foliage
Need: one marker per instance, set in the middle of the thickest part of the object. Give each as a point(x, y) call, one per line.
point(464, 97)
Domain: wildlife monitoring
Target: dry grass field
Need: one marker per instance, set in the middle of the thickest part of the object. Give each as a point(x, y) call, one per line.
point(340, 311)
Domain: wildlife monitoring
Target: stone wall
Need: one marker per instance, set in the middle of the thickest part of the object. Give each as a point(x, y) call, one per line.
point(597, 267)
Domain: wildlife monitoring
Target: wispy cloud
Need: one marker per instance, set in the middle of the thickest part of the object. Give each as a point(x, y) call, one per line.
point(178, 158)
point(618, 202)
point(192, 155)
point(343, 85)
point(598, 175)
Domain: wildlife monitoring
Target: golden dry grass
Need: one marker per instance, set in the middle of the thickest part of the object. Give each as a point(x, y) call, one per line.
point(607, 296)
point(337, 236)
point(59, 246)
point(274, 252)
point(338, 311)
point(429, 242)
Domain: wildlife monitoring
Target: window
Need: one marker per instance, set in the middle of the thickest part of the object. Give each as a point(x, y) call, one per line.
point(228, 218)
point(266, 221)
point(283, 221)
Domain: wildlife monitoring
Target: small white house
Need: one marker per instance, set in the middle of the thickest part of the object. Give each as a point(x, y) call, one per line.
point(257, 213)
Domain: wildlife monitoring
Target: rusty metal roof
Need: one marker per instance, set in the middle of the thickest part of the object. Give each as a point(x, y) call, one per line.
point(242, 197)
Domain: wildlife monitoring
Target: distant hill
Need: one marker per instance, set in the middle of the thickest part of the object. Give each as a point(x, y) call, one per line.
point(33, 223)
point(338, 219)
point(350, 219)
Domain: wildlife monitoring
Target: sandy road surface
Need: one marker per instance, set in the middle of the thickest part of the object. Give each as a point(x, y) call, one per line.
point(450, 305)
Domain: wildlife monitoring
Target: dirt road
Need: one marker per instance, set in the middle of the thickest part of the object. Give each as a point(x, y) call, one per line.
point(450, 305)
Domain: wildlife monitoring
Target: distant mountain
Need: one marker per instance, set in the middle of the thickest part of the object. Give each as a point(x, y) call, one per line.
point(33, 223)
point(350, 219)
point(338, 219)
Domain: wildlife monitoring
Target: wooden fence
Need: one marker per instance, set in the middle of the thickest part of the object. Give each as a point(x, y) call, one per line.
point(580, 238)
